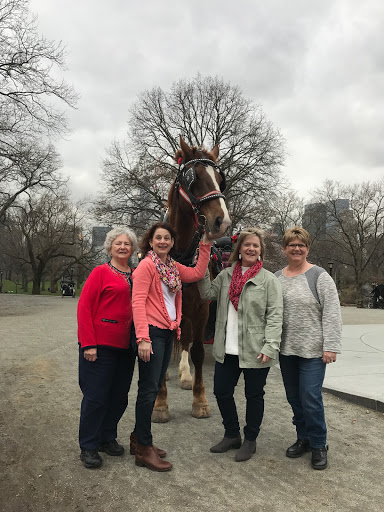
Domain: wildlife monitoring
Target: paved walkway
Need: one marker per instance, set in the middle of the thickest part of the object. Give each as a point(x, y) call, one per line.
point(358, 374)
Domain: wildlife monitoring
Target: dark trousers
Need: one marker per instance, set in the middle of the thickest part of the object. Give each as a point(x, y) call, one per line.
point(225, 380)
point(151, 376)
point(105, 385)
point(303, 381)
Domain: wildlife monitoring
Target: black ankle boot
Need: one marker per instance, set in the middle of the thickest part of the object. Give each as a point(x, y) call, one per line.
point(91, 459)
point(319, 458)
point(298, 449)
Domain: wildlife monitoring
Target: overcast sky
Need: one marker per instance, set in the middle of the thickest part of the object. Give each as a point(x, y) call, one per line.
point(315, 67)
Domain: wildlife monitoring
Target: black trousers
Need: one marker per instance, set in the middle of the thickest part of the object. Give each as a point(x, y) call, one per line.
point(151, 376)
point(105, 384)
point(225, 380)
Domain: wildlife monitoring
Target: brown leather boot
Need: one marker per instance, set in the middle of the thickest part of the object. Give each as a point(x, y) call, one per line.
point(132, 447)
point(147, 456)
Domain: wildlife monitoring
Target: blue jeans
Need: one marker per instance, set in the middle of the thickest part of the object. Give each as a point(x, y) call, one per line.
point(225, 380)
point(303, 380)
point(105, 385)
point(151, 376)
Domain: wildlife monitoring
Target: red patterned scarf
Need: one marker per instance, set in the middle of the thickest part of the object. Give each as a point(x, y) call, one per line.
point(238, 280)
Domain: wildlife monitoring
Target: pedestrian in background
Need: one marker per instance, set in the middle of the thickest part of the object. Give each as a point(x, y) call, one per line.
point(106, 356)
point(311, 340)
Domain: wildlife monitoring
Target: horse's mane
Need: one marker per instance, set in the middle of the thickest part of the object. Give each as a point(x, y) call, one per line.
point(196, 153)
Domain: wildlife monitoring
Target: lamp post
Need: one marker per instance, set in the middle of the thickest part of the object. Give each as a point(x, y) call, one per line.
point(330, 265)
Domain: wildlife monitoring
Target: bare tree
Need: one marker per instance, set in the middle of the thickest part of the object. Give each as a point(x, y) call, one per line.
point(30, 97)
point(28, 87)
point(205, 111)
point(354, 231)
point(50, 228)
point(287, 210)
point(28, 167)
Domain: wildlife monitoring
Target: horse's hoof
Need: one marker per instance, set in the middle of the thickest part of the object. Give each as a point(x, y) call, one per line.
point(160, 415)
point(201, 411)
point(186, 382)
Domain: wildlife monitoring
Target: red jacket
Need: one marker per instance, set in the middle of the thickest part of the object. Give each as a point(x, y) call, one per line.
point(104, 312)
point(148, 301)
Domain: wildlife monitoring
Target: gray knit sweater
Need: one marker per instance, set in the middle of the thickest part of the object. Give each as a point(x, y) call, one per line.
point(312, 316)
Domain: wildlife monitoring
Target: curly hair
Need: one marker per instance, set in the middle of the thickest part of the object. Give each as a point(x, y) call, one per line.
point(149, 234)
point(240, 239)
point(114, 233)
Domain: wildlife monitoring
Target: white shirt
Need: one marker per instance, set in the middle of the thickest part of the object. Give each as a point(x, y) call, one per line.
point(232, 330)
point(169, 299)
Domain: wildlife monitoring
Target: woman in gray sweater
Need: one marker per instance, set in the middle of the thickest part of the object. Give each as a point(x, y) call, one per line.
point(311, 340)
point(247, 337)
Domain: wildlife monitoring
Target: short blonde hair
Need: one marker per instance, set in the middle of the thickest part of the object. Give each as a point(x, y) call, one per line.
point(296, 232)
point(242, 236)
point(114, 233)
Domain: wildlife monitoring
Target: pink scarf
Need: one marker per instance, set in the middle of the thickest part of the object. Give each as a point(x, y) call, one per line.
point(168, 272)
point(238, 280)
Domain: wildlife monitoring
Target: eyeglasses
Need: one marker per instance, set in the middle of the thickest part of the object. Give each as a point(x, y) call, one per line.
point(300, 246)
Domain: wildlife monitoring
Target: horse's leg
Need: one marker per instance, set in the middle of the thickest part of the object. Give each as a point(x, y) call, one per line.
point(184, 371)
point(200, 405)
point(160, 412)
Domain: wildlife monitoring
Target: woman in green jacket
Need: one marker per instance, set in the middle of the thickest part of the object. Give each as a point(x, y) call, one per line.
point(247, 337)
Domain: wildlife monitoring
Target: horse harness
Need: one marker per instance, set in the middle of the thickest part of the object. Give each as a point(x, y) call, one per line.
point(186, 176)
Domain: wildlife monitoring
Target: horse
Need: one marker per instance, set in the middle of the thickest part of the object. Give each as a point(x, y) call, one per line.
point(195, 202)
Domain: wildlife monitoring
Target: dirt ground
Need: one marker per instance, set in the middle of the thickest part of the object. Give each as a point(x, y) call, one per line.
point(40, 468)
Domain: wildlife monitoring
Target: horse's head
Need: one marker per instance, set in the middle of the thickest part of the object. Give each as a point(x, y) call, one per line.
point(200, 184)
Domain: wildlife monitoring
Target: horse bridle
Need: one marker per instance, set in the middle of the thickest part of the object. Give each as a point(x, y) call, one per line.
point(186, 176)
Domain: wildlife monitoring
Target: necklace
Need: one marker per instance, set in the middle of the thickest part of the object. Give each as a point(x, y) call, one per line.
point(126, 275)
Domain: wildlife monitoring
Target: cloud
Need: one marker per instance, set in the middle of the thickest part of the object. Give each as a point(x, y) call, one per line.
point(316, 68)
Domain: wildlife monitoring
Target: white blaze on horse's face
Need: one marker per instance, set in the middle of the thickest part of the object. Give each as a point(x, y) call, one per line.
point(224, 217)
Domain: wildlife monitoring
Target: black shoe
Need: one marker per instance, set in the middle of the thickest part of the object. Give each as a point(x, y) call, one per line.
point(91, 458)
point(298, 449)
point(112, 448)
point(319, 458)
point(226, 443)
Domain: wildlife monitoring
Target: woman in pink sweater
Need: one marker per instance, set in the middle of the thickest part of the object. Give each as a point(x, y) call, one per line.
point(156, 303)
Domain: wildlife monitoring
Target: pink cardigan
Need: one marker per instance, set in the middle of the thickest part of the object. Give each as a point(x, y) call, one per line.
point(147, 295)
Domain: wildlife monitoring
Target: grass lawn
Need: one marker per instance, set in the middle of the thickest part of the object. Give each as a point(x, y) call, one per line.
point(11, 287)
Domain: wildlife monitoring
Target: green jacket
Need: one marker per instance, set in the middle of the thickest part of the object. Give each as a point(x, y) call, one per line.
point(260, 316)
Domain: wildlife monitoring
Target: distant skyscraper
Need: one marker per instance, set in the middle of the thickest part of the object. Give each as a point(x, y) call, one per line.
point(319, 218)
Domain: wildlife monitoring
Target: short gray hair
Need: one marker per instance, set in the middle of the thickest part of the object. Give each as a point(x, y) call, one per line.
point(114, 233)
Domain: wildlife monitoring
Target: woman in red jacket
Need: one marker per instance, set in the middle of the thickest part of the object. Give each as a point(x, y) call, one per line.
point(106, 357)
point(157, 314)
